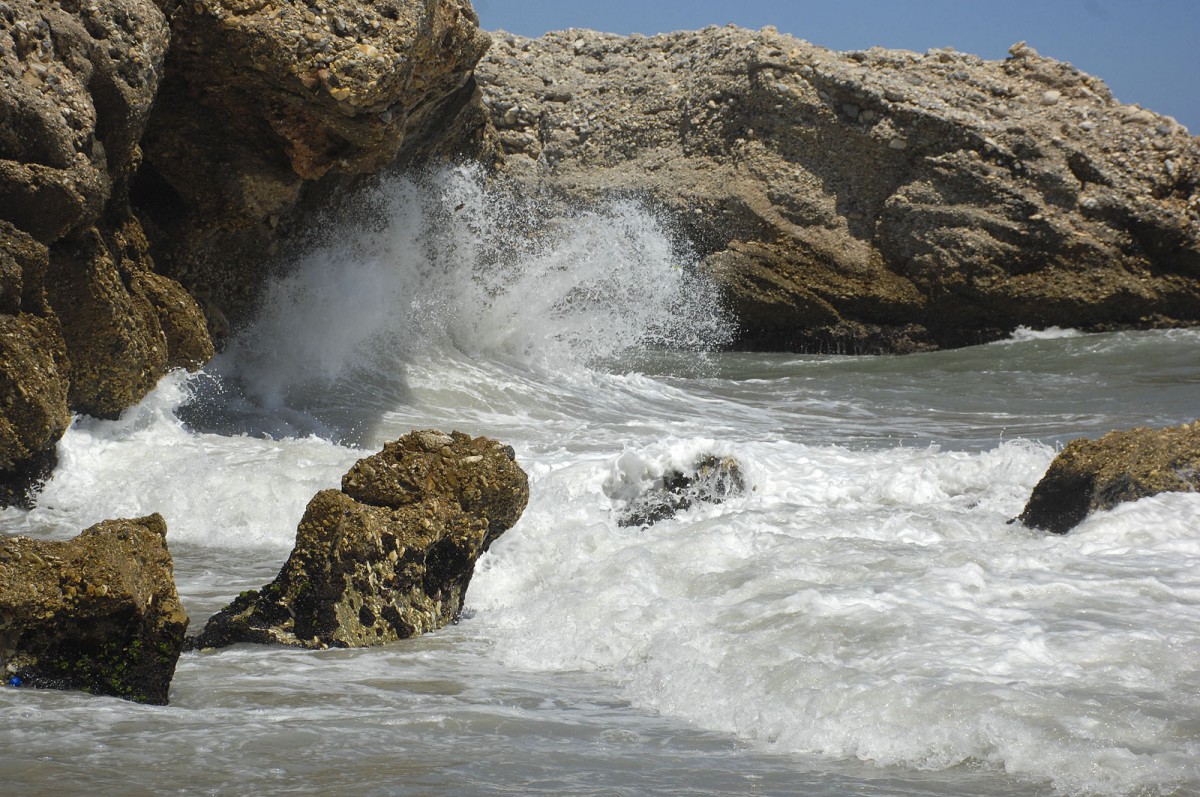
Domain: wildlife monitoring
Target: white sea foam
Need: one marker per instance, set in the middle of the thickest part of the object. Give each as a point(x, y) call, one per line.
point(865, 599)
point(446, 261)
point(874, 606)
point(1023, 334)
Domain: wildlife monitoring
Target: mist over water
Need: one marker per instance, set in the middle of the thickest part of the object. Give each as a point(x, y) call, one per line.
point(443, 265)
point(863, 619)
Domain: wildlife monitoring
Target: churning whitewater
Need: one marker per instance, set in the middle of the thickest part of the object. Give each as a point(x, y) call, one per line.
point(862, 619)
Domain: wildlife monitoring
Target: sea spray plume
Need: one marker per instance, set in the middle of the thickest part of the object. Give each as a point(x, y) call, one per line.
point(418, 267)
point(541, 283)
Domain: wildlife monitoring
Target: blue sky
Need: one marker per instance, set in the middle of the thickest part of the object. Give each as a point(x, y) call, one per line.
point(1147, 51)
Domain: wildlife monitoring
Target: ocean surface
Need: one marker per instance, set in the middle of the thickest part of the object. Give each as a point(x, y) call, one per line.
point(862, 620)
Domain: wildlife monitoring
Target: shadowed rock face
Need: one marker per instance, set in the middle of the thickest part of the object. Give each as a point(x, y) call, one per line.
point(1091, 475)
point(390, 555)
point(268, 107)
point(88, 326)
point(868, 201)
point(98, 613)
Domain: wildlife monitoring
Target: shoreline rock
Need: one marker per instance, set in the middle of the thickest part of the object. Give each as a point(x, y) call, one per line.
point(876, 201)
point(390, 555)
point(99, 613)
point(267, 110)
point(1092, 475)
point(88, 325)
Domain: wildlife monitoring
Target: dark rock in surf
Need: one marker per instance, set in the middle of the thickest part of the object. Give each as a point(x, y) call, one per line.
point(390, 555)
point(868, 201)
point(98, 613)
point(711, 480)
point(1090, 475)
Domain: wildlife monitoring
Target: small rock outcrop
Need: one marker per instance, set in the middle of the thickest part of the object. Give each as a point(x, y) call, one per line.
point(868, 201)
point(711, 480)
point(390, 555)
point(268, 107)
point(1090, 475)
point(98, 613)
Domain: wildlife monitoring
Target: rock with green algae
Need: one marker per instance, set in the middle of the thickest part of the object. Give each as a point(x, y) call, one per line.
point(1091, 475)
point(390, 555)
point(99, 612)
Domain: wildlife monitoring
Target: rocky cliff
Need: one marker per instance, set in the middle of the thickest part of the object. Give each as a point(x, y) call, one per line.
point(267, 108)
point(87, 324)
point(868, 201)
point(147, 146)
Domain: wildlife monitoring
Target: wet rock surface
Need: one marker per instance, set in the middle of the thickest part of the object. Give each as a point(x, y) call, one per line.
point(390, 555)
point(868, 201)
point(711, 480)
point(98, 613)
point(1091, 475)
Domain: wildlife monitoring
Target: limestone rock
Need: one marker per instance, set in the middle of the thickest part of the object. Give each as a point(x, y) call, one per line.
point(268, 107)
point(390, 555)
point(1090, 475)
point(33, 370)
point(77, 81)
point(868, 201)
point(711, 480)
point(118, 317)
point(98, 613)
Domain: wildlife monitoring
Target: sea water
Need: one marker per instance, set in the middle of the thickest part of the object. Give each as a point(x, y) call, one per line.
point(863, 619)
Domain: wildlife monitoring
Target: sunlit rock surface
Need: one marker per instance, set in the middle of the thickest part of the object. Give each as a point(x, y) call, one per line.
point(390, 555)
point(98, 613)
point(868, 201)
point(1090, 475)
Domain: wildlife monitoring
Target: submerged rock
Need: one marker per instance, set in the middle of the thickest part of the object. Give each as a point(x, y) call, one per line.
point(711, 480)
point(1090, 475)
point(390, 555)
point(868, 201)
point(99, 612)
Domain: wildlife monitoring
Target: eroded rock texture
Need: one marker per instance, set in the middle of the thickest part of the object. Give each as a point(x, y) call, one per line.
point(268, 106)
point(390, 555)
point(88, 326)
point(98, 613)
point(1090, 475)
point(869, 201)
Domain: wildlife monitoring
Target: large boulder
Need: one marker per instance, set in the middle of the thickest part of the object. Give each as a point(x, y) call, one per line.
point(77, 287)
point(98, 613)
point(390, 555)
point(868, 201)
point(269, 106)
point(1090, 475)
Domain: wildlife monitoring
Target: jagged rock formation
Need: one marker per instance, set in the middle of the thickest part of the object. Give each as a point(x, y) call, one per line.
point(268, 107)
point(144, 142)
point(98, 613)
point(390, 555)
point(711, 480)
point(1090, 475)
point(868, 201)
point(88, 326)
